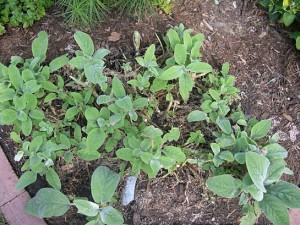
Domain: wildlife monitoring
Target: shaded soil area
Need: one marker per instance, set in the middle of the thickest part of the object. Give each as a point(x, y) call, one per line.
point(263, 60)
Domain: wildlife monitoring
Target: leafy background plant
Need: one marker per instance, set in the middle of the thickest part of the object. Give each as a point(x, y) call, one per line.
point(16, 12)
point(286, 11)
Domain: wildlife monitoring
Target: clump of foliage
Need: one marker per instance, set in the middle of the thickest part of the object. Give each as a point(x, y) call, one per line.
point(287, 11)
point(25, 12)
point(93, 113)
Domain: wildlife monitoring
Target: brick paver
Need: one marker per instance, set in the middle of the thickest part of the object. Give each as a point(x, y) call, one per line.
point(12, 201)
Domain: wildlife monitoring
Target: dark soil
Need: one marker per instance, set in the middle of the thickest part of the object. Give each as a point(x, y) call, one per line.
point(267, 68)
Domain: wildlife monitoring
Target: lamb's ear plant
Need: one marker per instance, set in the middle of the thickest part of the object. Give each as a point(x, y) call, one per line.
point(50, 202)
point(147, 150)
point(260, 188)
point(89, 62)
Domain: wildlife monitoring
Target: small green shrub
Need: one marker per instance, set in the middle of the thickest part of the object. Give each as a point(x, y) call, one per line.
point(25, 12)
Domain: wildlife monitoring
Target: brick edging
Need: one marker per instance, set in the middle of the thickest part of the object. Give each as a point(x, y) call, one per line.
point(12, 201)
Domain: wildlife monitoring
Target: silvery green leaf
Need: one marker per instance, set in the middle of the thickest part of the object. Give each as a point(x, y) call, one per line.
point(26, 179)
point(186, 85)
point(86, 207)
point(85, 43)
point(275, 211)
point(111, 216)
point(94, 72)
point(180, 54)
point(7, 116)
point(175, 153)
point(53, 179)
point(58, 63)
point(104, 183)
point(225, 185)
point(224, 125)
point(48, 202)
point(118, 88)
point(255, 192)
point(125, 103)
point(172, 73)
point(288, 193)
point(260, 129)
point(40, 46)
point(15, 77)
point(199, 67)
point(257, 166)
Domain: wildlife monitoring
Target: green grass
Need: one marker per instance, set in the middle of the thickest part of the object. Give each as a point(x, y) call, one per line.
point(2, 219)
point(83, 13)
point(137, 7)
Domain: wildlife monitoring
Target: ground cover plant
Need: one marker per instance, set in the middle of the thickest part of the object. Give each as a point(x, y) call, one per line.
point(286, 11)
point(16, 12)
point(90, 114)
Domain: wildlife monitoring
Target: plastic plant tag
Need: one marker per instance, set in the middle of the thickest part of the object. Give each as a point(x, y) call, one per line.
point(128, 195)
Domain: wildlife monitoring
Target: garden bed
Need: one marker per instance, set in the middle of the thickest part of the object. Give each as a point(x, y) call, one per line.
point(263, 61)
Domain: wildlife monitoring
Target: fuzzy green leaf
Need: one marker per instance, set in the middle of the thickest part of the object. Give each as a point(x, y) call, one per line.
point(257, 166)
point(125, 154)
point(86, 207)
point(37, 114)
point(260, 129)
point(199, 67)
point(53, 179)
point(149, 55)
point(275, 151)
point(273, 208)
point(173, 38)
point(48, 202)
point(152, 132)
point(125, 103)
point(196, 116)
point(27, 127)
point(172, 73)
point(15, 77)
point(104, 183)
point(93, 72)
point(8, 116)
point(26, 179)
point(7, 94)
point(175, 153)
point(186, 85)
point(180, 54)
point(224, 125)
point(40, 45)
point(85, 43)
point(111, 216)
point(288, 193)
point(58, 63)
point(71, 113)
point(95, 139)
point(88, 154)
point(225, 185)
point(118, 88)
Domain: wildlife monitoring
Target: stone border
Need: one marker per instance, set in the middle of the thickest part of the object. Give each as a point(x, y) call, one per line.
point(12, 201)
